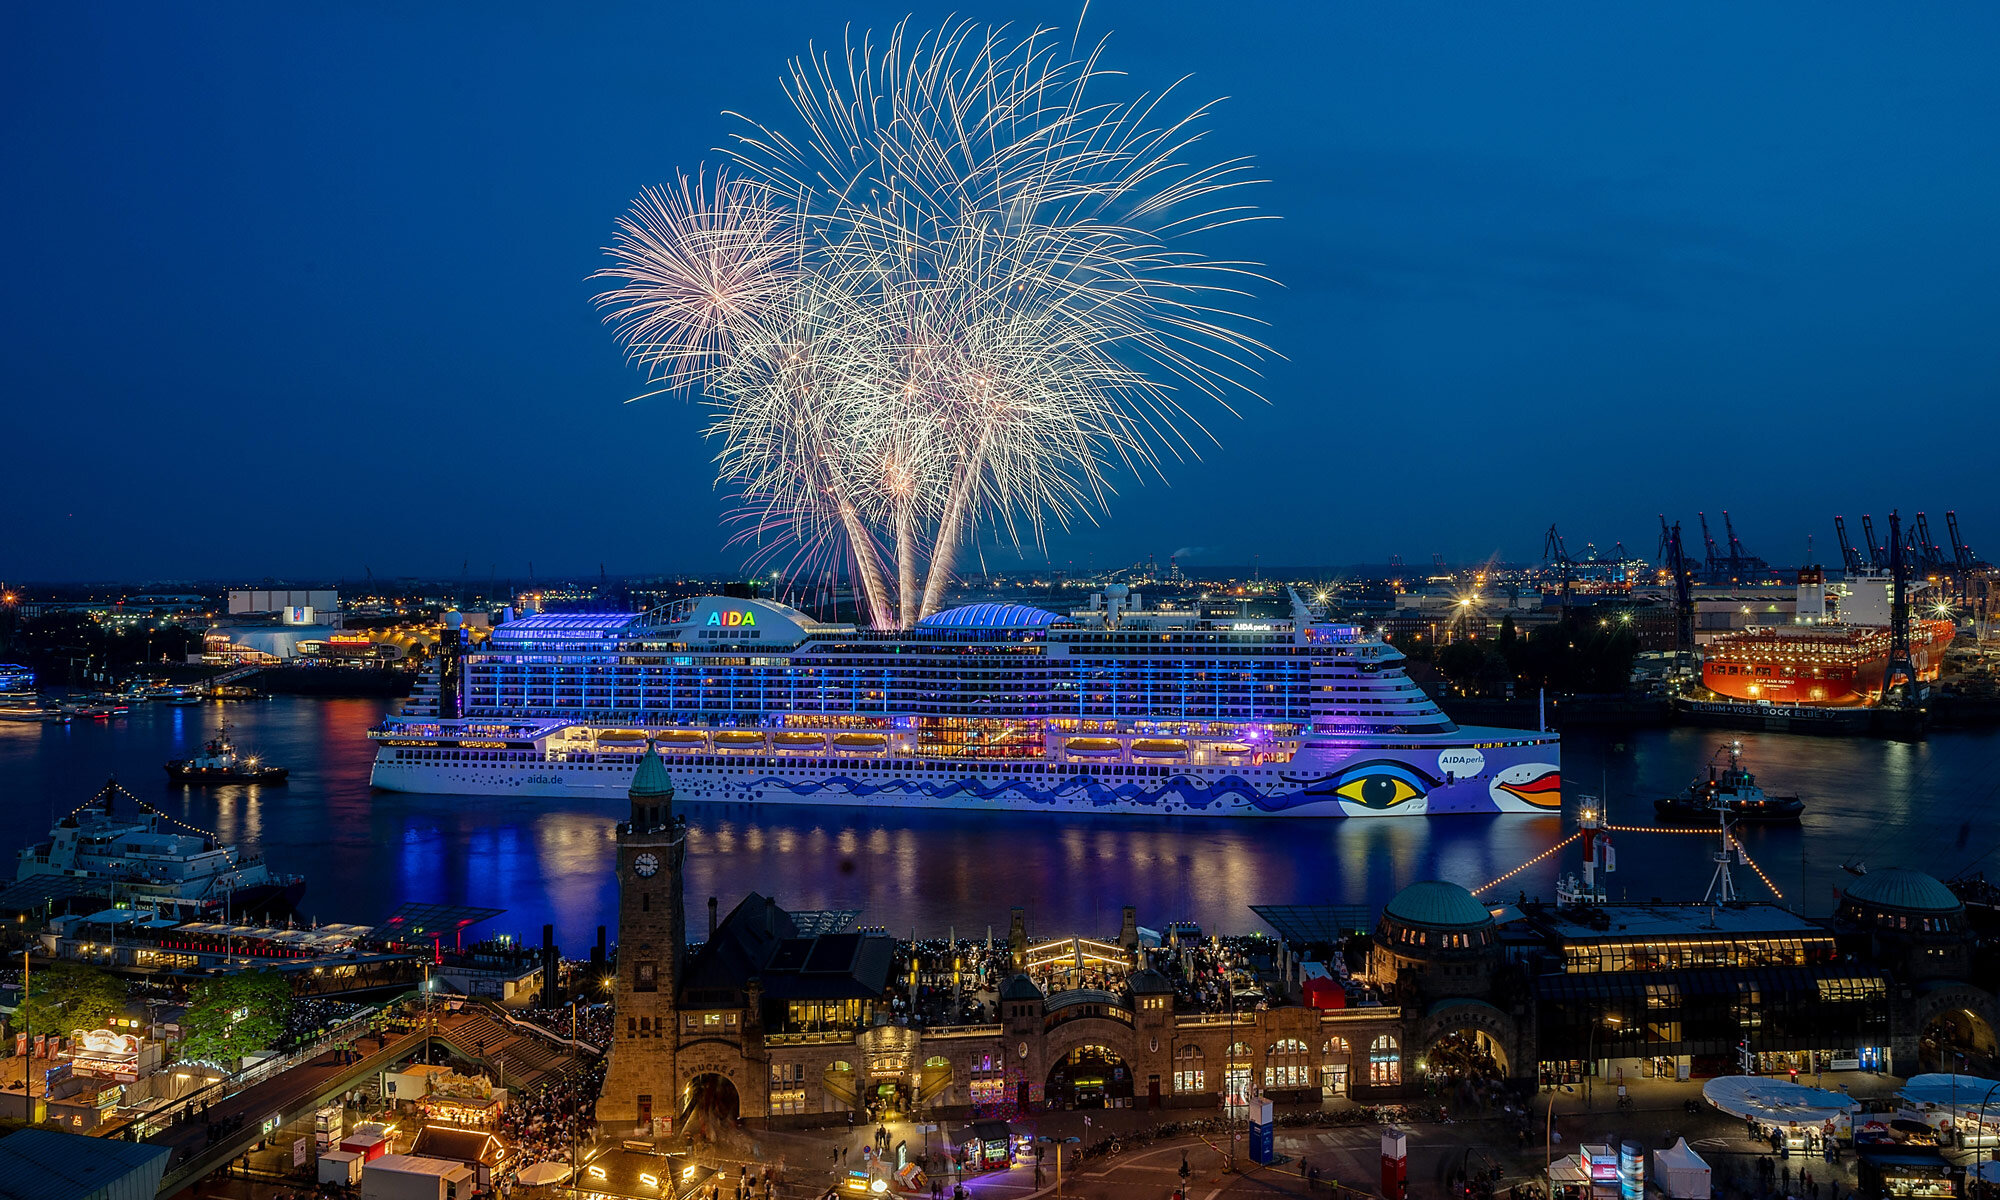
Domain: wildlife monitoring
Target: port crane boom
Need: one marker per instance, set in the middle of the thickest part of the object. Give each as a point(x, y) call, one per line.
point(1849, 556)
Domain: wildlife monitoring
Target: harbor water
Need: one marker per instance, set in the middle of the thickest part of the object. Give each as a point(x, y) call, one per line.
point(1933, 805)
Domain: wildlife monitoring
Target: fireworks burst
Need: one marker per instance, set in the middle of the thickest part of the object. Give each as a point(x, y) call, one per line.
point(960, 297)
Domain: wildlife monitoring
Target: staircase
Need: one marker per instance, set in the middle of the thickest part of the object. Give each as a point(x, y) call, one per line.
point(522, 1059)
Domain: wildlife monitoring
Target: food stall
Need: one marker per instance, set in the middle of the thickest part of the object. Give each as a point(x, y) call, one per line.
point(1905, 1172)
point(988, 1146)
point(1963, 1109)
point(1801, 1115)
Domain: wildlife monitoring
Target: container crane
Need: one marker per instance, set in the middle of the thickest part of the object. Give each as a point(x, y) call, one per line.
point(1741, 562)
point(1868, 534)
point(1555, 554)
point(1676, 560)
point(1965, 563)
point(1929, 558)
point(1711, 563)
point(1849, 556)
point(1899, 664)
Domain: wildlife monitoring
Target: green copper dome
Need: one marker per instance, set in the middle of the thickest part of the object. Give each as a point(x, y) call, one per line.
point(1910, 891)
point(1437, 905)
point(650, 781)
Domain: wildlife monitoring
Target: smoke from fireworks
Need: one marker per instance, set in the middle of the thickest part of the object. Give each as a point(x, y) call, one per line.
point(961, 296)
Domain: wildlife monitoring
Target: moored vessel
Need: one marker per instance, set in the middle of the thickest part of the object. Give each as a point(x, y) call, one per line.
point(1112, 709)
point(140, 859)
point(1729, 790)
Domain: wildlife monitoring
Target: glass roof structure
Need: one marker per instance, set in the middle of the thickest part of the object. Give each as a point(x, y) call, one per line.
point(417, 920)
point(991, 616)
point(1307, 923)
point(815, 922)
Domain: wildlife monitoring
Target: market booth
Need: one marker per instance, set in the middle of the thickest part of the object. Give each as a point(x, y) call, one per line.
point(1795, 1111)
point(992, 1146)
point(1912, 1172)
point(1681, 1173)
point(1592, 1172)
point(1963, 1109)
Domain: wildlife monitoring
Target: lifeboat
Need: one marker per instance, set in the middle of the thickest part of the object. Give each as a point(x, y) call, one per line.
point(736, 739)
point(1160, 747)
point(619, 735)
point(1229, 749)
point(860, 741)
point(682, 739)
point(798, 741)
point(1094, 746)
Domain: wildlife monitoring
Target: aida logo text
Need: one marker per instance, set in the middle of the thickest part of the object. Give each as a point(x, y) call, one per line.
point(734, 618)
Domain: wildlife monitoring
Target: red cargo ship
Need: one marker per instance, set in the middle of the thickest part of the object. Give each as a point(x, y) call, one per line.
point(1817, 664)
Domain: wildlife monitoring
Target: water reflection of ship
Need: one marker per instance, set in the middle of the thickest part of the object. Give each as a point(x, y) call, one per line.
point(96, 851)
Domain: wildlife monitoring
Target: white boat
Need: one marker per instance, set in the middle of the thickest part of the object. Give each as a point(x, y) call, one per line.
point(137, 858)
point(1113, 709)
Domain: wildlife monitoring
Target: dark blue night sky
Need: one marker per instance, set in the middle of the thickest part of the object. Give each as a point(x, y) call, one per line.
point(294, 290)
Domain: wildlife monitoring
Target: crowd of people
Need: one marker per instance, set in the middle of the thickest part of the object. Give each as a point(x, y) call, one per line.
point(310, 1016)
point(546, 1124)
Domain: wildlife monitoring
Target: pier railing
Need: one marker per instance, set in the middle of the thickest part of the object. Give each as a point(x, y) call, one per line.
point(255, 1073)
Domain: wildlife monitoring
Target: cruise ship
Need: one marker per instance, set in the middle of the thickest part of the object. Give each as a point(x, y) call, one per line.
point(1110, 709)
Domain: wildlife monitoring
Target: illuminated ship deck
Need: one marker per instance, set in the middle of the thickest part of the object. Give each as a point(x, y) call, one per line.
point(990, 705)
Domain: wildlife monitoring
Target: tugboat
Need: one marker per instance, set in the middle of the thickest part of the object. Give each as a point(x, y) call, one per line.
point(1730, 790)
point(219, 763)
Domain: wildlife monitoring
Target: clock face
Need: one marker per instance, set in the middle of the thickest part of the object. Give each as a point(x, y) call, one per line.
point(645, 865)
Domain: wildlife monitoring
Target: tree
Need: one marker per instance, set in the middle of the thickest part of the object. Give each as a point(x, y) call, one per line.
point(65, 997)
point(234, 1015)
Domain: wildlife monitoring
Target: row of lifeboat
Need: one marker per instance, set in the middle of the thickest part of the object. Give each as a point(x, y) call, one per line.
point(1158, 750)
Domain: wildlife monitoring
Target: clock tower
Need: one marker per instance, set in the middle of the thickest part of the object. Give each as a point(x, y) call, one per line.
point(652, 937)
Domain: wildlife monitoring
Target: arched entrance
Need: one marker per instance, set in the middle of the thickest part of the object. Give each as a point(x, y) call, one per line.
point(709, 1107)
point(1957, 1040)
point(1466, 1054)
point(1090, 1077)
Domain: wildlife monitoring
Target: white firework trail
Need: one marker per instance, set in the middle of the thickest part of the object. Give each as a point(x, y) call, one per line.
point(962, 296)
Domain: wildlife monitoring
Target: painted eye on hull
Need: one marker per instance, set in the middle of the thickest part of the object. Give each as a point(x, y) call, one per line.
point(1381, 785)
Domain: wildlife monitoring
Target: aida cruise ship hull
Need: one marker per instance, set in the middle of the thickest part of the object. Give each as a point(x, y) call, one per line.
point(1115, 709)
point(1512, 772)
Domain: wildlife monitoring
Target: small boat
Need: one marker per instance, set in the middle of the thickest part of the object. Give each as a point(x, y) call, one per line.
point(1728, 790)
point(34, 713)
point(220, 763)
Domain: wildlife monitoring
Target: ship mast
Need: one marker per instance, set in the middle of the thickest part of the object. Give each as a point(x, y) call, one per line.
point(1722, 888)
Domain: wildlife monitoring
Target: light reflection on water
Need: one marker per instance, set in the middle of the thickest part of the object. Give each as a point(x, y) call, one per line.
point(1930, 804)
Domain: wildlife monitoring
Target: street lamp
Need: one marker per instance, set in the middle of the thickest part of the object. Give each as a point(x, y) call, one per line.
point(1590, 1074)
point(1549, 1137)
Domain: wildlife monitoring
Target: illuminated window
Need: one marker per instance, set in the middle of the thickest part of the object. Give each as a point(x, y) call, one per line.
point(1385, 1062)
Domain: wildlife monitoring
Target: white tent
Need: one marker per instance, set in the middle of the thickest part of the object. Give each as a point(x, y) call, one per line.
point(1776, 1101)
point(1680, 1172)
point(544, 1173)
point(1965, 1091)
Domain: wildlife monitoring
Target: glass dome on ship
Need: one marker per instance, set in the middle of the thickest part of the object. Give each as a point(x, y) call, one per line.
point(1111, 709)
